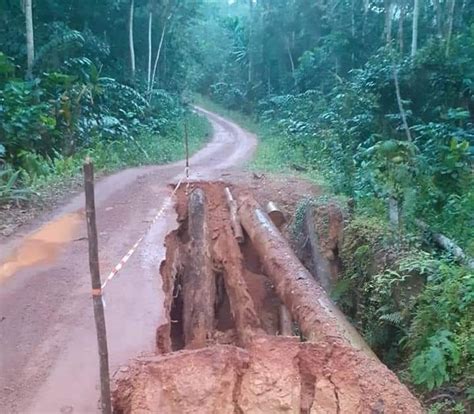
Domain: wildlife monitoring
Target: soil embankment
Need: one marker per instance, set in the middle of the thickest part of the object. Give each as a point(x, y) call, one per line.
point(221, 348)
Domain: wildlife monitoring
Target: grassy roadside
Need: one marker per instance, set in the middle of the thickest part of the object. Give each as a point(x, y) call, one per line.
point(410, 301)
point(48, 182)
point(272, 155)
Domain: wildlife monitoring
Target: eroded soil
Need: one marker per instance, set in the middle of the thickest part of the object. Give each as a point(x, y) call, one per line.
point(221, 348)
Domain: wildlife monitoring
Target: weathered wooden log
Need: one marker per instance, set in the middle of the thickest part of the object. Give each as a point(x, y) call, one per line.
point(247, 321)
point(275, 214)
point(234, 217)
point(307, 302)
point(199, 286)
point(447, 244)
point(286, 328)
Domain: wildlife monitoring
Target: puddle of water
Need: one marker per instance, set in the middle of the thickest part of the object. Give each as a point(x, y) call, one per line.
point(42, 246)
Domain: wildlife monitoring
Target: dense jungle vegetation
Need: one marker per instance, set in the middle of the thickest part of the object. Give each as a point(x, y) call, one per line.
point(376, 100)
point(373, 98)
point(104, 78)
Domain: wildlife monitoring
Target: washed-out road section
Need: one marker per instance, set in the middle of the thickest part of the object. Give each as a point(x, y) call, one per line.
point(48, 346)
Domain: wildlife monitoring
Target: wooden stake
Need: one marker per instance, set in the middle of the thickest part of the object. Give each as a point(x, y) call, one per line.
point(186, 144)
point(96, 288)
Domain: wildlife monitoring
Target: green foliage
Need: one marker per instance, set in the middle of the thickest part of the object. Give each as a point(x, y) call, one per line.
point(430, 367)
point(409, 304)
point(9, 192)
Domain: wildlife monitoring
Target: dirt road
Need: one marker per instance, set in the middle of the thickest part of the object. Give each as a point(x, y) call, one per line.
point(49, 360)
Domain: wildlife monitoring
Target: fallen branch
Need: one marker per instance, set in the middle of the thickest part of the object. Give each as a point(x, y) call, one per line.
point(447, 244)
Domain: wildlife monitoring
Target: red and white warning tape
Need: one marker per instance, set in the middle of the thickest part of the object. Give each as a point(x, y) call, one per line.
point(130, 253)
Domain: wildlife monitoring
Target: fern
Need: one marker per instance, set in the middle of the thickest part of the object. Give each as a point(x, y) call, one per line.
point(394, 318)
point(64, 39)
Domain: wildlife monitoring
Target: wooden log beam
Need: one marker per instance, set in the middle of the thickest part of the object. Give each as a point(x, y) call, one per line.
point(234, 217)
point(307, 302)
point(199, 286)
point(286, 328)
point(275, 214)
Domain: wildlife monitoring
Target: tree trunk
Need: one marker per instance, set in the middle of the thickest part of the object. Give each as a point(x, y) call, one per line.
point(388, 21)
point(353, 31)
point(439, 18)
point(199, 284)
point(414, 36)
point(364, 21)
point(249, 46)
point(401, 32)
point(30, 42)
point(290, 58)
point(131, 40)
point(452, 6)
point(150, 25)
point(400, 104)
point(317, 317)
point(158, 54)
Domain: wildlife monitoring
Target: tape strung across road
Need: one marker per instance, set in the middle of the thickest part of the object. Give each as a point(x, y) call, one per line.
point(134, 248)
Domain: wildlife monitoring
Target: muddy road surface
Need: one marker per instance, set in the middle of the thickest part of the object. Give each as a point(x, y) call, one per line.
point(48, 357)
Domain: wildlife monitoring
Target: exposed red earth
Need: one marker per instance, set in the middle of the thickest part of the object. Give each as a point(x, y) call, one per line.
point(193, 327)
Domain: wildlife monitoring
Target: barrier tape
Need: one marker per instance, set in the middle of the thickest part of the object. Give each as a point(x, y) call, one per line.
point(130, 253)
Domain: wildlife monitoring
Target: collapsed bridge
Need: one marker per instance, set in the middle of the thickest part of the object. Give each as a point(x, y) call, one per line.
point(249, 329)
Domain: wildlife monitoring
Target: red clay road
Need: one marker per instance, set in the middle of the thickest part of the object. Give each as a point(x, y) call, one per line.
point(48, 349)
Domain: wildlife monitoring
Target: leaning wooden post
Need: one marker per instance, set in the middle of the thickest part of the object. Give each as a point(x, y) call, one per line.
point(96, 288)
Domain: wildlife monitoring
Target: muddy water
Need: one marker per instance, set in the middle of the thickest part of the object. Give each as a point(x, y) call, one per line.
point(43, 246)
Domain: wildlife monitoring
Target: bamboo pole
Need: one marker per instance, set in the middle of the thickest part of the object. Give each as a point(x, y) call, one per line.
point(96, 288)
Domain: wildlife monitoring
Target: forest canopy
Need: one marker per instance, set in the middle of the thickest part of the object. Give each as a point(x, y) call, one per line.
point(375, 97)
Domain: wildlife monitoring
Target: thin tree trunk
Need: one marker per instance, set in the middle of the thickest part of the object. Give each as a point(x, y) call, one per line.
point(249, 46)
point(131, 40)
point(364, 21)
point(414, 37)
point(439, 18)
point(150, 25)
point(400, 104)
point(158, 54)
point(388, 21)
point(290, 56)
point(401, 32)
point(450, 25)
point(30, 42)
point(353, 30)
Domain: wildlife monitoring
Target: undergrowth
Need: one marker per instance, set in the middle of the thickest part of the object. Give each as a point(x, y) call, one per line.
point(412, 304)
point(273, 155)
point(39, 174)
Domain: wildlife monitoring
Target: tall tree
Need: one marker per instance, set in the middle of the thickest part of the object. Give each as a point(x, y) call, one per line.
point(414, 34)
point(131, 39)
point(388, 5)
point(158, 53)
point(150, 41)
point(30, 42)
point(452, 6)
